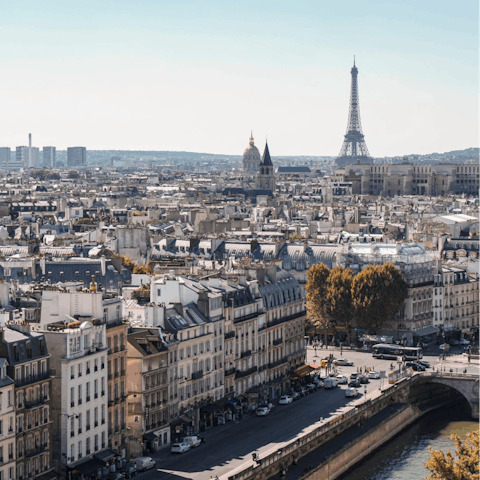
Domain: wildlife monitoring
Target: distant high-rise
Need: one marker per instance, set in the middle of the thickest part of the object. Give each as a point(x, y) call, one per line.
point(26, 157)
point(49, 157)
point(354, 148)
point(5, 157)
point(76, 156)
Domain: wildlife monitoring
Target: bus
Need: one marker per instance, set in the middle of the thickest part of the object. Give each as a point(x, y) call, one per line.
point(391, 352)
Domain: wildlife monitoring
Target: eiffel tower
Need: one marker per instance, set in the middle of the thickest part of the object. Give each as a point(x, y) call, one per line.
point(354, 148)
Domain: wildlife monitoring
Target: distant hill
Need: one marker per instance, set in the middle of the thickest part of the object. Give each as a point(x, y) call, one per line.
point(468, 153)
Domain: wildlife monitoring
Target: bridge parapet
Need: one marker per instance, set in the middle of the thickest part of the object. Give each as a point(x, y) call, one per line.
point(464, 383)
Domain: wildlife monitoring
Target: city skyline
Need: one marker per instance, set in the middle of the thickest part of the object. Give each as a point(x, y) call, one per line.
point(184, 77)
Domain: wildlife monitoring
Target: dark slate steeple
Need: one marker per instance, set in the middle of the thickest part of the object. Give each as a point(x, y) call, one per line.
point(266, 160)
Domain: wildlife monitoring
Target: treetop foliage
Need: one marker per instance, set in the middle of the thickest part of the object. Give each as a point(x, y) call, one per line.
point(369, 299)
point(462, 465)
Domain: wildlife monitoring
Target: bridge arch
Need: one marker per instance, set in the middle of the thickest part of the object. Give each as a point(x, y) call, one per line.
point(433, 389)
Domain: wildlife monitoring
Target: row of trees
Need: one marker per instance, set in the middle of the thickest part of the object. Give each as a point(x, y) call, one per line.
point(127, 262)
point(367, 300)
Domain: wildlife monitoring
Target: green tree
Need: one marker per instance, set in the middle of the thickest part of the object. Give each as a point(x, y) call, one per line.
point(339, 298)
point(462, 465)
point(73, 174)
point(378, 293)
point(317, 287)
point(52, 176)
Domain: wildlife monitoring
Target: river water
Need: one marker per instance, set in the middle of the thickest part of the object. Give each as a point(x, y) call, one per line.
point(403, 457)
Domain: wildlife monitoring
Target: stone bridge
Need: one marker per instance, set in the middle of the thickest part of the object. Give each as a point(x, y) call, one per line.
point(430, 390)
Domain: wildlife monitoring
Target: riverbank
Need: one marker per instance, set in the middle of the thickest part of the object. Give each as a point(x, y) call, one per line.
point(341, 453)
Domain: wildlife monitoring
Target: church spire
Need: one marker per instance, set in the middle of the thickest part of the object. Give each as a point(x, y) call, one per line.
point(266, 160)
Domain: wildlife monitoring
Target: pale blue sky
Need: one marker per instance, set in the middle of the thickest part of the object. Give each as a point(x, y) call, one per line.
point(198, 76)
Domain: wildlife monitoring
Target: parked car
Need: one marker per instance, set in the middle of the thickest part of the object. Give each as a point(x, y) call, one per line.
point(374, 375)
point(444, 346)
point(285, 400)
point(330, 382)
point(415, 366)
point(130, 471)
point(354, 382)
point(464, 341)
point(351, 392)
point(115, 476)
point(341, 379)
point(318, 382)
point(192, 440)
point(363, 379)
point(262, 411)
point(144, 463)
point(302, 391)
point(295, 395)
point(343, 362)
point(424, 363)
point(311, 387)
point(353, 375)
point(270, 406)
point(180, 447)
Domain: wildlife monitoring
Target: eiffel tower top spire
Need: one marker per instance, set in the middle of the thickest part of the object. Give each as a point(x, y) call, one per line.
point(354, 148)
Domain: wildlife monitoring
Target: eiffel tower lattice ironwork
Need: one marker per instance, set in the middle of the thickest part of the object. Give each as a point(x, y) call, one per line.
point(354, 148)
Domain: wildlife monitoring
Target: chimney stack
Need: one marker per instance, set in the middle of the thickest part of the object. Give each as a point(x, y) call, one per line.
point(29, 150)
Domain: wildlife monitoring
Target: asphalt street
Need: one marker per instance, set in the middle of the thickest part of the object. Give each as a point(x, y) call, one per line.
point(229, 446)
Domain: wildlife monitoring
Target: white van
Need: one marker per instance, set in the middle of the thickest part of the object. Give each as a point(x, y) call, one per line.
point(330, 382)
point(192, 440)
point(144, 463)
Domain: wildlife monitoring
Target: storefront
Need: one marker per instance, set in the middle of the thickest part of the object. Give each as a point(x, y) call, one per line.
point(181, 427)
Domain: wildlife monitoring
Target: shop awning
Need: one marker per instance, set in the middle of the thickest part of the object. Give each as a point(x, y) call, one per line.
point(90, 466)
point(315, 366)
point(149, 436)
point(182, 419)
point(105, 455)
point(426, 331)
point(48, 476)
point(303, 370)
point(210, 409)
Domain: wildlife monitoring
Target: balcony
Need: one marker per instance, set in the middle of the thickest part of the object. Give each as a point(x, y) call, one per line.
point(230, 371)
point(20, 382)
point(246, 317)
point(245, 373)
point(278, 341)
point(245, 354)
point(32, 452)
point(278, 321)
point(34, 403)
point(277, 363)
point(229, 335)
point(197, 375)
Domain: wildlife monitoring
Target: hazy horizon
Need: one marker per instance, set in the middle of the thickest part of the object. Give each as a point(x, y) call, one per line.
point(198, 77)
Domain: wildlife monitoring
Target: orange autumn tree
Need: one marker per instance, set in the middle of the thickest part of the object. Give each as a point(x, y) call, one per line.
point(462, 465)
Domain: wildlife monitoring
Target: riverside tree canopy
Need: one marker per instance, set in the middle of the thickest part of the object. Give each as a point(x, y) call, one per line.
point(369, 299)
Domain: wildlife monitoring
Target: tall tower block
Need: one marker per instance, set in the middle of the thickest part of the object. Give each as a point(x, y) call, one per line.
point(354, 148)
